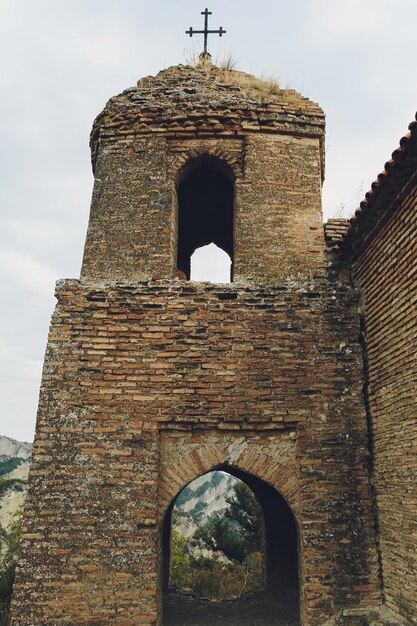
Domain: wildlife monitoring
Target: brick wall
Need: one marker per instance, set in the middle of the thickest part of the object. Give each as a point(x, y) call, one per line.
point(131, 367)
point(132, 229)
point(149, 383)
point(272, 148)
point(385, 268)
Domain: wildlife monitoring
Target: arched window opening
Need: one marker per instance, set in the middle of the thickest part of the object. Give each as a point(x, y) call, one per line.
point(210, 263)
point(231, 538)
point(205, 209)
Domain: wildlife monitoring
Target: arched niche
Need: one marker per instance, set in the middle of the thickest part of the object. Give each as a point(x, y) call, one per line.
point(280, 540)
point(205, 198)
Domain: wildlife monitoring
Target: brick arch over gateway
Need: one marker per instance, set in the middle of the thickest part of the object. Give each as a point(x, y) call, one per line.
point(232, 162)
point(269, 459)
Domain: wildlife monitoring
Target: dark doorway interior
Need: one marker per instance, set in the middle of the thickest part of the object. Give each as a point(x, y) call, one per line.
point(277, 603)
point(205, 210)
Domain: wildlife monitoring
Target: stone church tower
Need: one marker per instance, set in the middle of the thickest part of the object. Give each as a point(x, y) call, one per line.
point(151, 380)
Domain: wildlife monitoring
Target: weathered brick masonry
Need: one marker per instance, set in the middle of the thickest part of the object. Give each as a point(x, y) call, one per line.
point(146, 137)
point(381, 250)
point(128, 363)
point(150, 381)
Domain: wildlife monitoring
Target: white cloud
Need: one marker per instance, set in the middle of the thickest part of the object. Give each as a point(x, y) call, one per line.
point(349, 20)
point(29, 273)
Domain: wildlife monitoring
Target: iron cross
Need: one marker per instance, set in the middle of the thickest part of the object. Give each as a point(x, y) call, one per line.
point(206, 31)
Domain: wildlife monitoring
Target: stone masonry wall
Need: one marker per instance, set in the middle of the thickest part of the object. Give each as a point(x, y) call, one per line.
point(150, 382)
point(132, 229)
point(269, 141)
point(386, 271)
point(131, 367)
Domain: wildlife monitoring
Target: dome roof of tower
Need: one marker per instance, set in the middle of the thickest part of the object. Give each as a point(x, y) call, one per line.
point(204, 101)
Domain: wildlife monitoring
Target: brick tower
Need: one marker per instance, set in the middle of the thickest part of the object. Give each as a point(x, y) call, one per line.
point(151, 380)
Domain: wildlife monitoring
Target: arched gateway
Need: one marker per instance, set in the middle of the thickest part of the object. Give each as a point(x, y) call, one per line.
point(151, 380)
point(279, 545)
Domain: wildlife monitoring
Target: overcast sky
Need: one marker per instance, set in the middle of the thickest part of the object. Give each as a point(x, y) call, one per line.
point(61, 60)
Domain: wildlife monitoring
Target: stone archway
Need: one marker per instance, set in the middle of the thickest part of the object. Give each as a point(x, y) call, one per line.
point(266, 465)
point(270, 456)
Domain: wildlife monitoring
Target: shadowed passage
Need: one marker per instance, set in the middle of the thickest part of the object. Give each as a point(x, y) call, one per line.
point(230, 547)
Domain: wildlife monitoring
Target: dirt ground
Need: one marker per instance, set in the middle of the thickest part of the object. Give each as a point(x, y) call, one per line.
point(258, 610)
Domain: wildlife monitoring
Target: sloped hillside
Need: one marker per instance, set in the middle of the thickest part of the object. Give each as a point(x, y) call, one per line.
point(12, 448)
point(205, 495)
point(15, 457)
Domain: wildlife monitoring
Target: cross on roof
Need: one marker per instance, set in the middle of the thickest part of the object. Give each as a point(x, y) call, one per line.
point(206, 30)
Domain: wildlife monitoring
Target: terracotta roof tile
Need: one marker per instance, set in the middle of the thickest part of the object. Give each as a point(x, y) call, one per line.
point(396, 171)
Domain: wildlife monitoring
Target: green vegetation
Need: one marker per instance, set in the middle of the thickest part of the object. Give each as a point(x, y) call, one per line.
point(11, 483)
point(9, 541)
point(8, 464)
point(180, 560)
point(224, 558)
point(236, 533)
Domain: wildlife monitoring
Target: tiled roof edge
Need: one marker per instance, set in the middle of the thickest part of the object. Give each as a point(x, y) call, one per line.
point(380, 187)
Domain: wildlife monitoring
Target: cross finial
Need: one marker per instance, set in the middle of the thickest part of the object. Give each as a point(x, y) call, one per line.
point(206, 30)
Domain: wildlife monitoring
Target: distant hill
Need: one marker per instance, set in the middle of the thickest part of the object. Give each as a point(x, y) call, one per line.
point(205, 495)
point(15, 458)
point(202, 498)
point(13, 448)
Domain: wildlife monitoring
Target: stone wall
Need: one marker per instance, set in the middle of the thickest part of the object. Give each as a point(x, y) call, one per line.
point(384, 267)
point(150, 381)
point(132, 229)
point(136, 374)
point(270, 144)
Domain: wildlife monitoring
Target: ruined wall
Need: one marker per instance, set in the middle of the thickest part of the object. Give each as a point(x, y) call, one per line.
point(270, 144)
point(132, 367)
point(149, 383)
point(385, 268)
point(278, 219)
point(132, 229)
